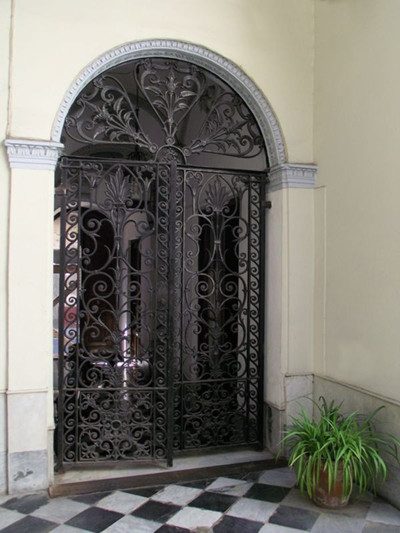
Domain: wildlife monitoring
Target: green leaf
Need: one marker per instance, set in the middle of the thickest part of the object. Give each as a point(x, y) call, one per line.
point(343, 445)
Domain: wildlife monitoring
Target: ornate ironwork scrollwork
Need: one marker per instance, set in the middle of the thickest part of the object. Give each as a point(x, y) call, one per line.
point(218, 382)
point(113, 361)
point(120, 283)
point(164, 109)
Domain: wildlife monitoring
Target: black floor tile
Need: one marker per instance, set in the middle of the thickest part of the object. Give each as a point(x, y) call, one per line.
point(156, 511)
point(252, 476)
point(94, 519)
point(267, 493)
point(214, 501)
point(166, 528)
point(238, 476)
point(202, 484)
point(26, 504)
point(90, 499)
point(230, 524)
point(294, 517)
point(30, 524)
point(147, 492)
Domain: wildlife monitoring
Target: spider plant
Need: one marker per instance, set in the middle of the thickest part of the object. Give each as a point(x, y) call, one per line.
point(347, 448)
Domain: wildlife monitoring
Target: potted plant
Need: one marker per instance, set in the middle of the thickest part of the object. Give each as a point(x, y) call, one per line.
point(332, 451)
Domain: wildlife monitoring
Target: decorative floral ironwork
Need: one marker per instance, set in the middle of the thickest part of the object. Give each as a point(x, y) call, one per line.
point(160, 291)
point(216, 195)
point(172, 88)
point(220, 334)
point(105, 114)
point(113, 370)
point(152, 105)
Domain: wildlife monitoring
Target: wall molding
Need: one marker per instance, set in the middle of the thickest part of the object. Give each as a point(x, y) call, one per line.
point(361, 390)
point(26, 391)
point(198, 55)
point(292, 175)
point(33, 155)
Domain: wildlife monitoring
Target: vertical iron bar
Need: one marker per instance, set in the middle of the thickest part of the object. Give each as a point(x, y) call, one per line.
point(171, 317)
point(249, 236)
point(183, 281)
point(60, 400)
point(78, 301)
point(153, 444)
point(262, 298)
point(181, 304)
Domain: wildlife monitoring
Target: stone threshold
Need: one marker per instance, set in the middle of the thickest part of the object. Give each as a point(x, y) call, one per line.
point(185, 469)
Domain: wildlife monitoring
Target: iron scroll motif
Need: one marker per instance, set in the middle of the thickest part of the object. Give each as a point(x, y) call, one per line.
point(218, 380)
point(161, 345)
point(113, 384)
point(164, 109)
point(161, 195)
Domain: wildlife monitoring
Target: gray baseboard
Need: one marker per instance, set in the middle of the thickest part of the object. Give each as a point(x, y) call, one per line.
point(28, 471)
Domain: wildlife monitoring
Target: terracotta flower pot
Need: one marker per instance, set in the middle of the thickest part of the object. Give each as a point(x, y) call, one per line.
point(333, 498)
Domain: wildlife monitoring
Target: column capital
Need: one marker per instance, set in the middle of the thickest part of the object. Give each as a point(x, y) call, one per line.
point(292, 175)
point(32, 154)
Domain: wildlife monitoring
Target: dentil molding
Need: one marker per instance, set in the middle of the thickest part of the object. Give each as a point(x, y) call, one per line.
point(292, 175)
point(35, 155)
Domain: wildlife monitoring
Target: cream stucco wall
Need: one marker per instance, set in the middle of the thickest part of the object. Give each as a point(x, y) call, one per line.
point(290, 281)
point(357, 215)
point(357, 140)
point(271, 40)
point(4, 182)
point(4, 211)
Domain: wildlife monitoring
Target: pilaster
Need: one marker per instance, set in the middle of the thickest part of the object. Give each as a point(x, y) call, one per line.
point(28, 397)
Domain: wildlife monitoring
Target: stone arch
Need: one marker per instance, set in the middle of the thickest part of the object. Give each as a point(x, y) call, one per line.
point(197, 55)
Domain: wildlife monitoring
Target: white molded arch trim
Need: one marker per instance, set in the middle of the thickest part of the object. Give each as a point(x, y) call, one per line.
point(197, 55)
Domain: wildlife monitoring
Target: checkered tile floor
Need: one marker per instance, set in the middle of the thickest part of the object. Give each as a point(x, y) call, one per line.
point(263, 502)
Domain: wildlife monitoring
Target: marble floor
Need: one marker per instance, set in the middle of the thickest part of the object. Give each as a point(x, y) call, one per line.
point(263, 501)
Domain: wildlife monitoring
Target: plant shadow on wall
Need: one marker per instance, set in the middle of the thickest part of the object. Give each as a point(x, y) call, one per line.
point(332, 452)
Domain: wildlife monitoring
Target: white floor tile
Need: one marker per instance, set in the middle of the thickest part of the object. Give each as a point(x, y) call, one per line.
point(121, 502)
point(338, 524)
point(256, 510)
point(383, 513)
point(176, 494)
point(63, 528)
point(233, 487)
point(193, 517)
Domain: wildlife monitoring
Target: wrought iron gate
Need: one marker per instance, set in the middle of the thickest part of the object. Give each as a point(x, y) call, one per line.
point(162, 326)
point(218, 351)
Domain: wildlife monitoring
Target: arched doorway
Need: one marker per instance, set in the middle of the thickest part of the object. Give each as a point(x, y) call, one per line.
point(161, 192)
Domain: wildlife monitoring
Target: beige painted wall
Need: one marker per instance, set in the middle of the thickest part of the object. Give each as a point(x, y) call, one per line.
point(272, 40)
point(357, 140)
point(290, 281)
point(4, 195)
point(4, 180)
